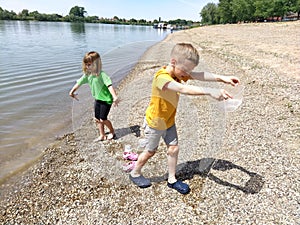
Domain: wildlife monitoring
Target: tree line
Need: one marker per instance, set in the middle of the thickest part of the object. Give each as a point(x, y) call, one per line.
point(234, 11)
point(79, 14)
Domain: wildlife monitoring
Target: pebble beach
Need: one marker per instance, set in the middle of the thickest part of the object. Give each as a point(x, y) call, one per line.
point(242, 166)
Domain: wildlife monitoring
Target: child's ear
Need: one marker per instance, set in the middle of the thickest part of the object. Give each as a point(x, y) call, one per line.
point(173, 62)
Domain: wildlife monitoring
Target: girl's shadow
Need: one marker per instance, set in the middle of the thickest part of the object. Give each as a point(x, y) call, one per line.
point(121, 132)
point(203, 167)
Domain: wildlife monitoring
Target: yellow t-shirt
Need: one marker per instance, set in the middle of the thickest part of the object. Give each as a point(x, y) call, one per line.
point(161, 111)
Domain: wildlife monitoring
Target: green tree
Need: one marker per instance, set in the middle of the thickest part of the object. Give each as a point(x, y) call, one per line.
point(133, 21)
point(284, 7)
point(91, 19)
point(24, 14)
point(263, 9)
point(35, 15)
point(42, 17)
point(76, 14)
point(115, 18)
point(77, 11)
point(242, 10)
point(225, 11)
point(142, 21)
point(277, 8)
point(54, 17)
point(295, 7)
point(6, 15)
point(209, 14)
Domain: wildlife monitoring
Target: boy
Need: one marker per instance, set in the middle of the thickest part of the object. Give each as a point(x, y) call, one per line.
point(160, 114)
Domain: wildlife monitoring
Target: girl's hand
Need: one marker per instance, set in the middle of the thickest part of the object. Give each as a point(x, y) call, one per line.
point(74, 95)
point(116, 101)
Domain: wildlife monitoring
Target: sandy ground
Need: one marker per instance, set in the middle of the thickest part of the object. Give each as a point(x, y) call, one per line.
point(255, 175)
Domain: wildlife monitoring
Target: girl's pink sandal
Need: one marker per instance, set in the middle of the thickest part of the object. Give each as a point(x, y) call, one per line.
point(130, 156)
point(128, 167)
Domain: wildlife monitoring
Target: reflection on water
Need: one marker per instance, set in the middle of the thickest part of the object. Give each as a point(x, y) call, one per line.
point(39, 63)
point(77, 28)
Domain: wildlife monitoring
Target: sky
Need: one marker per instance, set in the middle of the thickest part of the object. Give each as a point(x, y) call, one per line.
point(128, 9)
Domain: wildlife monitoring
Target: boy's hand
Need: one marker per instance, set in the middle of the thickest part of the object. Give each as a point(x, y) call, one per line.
point(231, 80)
point(220, 94)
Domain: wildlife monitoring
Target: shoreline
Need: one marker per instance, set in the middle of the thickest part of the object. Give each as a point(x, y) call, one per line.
point(65, 129)
point(79, 179)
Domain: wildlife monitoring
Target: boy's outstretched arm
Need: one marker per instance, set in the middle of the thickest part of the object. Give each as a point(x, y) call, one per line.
point(206, 76)
point(218, 94)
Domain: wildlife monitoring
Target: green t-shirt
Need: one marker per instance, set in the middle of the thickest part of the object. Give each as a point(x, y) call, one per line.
point(99, 86)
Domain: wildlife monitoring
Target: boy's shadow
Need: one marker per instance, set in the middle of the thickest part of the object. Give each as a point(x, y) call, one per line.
point(202, 167)
point(128, 130)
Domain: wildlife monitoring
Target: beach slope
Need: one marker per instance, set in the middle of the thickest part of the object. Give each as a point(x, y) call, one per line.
point(242, 167)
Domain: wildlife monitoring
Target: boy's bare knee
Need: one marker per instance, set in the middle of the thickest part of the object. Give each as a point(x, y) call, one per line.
point(173, 150)
point(150, 153)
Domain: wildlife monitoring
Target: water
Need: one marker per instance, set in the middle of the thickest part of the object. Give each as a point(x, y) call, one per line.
point(39, 63)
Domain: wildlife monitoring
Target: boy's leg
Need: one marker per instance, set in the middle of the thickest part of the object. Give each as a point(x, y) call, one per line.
point(142, 160)
point(136, 175)
point(172, 162)
point(171, 140)
point(152, 138)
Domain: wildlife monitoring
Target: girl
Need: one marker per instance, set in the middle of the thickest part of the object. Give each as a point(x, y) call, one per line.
point(102, 91)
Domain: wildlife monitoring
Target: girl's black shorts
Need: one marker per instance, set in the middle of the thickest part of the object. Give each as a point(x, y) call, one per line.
point(101, 109)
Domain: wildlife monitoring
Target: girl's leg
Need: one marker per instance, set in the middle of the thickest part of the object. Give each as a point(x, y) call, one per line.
point(108, 124)
point(101, 112)
point(100, 124)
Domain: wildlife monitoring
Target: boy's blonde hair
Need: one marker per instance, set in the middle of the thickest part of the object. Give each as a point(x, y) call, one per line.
point(185, 51)
point(92, 57)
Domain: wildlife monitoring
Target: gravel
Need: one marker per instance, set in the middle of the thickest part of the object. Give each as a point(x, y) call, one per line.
point(242, 166)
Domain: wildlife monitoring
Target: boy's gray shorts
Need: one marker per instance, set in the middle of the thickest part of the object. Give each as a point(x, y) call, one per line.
point(152, 137)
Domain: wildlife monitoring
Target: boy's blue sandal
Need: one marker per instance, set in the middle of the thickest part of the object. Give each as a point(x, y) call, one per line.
point(140, 181)
point(179, 186)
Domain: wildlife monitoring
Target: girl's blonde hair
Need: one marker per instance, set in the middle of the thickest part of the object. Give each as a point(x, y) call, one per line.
point(92, 57)
point(185, 51)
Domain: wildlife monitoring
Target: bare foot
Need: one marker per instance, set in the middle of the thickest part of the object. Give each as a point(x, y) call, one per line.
point(101, 138)
point(111, 136)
